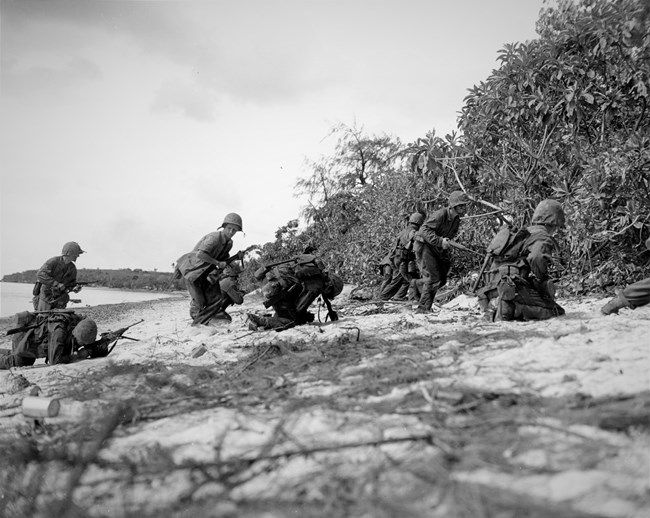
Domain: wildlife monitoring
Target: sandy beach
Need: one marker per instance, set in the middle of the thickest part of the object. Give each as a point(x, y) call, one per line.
point(550, 413)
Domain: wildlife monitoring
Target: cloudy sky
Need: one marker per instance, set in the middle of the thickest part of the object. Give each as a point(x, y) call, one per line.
point(133, 127)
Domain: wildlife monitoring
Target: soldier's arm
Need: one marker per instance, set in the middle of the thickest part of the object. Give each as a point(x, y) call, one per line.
point(427, 232)
point(46, 274)
point(539, 257)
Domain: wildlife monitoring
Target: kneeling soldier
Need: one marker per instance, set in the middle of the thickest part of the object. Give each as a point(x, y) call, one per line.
point(291, 288)
point(518, 284)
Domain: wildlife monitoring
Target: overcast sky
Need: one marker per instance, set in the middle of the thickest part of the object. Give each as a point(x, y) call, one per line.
point(133, 127)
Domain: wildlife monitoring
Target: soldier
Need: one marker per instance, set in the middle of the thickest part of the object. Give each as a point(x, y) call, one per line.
point(518, 285)
point(402, 261)
point(633, 296)
point(221, 294)
point(431, 244)
point(56, 278)
point(209, 255)
point(290, 289)
point(385, 269)
point(55, 335)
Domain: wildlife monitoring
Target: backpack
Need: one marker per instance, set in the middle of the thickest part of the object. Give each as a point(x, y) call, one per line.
point(507, 244)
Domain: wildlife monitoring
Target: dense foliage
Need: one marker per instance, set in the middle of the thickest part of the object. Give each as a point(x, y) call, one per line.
point(563, 116)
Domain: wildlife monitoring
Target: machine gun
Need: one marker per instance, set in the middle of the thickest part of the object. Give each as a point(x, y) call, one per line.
point(100, 347)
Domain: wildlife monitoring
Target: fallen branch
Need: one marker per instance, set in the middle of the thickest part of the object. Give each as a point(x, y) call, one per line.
point(65, 507)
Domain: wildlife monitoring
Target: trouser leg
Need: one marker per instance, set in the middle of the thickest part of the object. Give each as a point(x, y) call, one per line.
point(638, 294)
point(393, 287)
point(197, 296)
point(433, 277)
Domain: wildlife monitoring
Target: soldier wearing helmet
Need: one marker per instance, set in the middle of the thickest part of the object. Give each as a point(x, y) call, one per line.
point(56, 336)
point(518, 286)
point(431, 247)
point(632, 296)
point(291, 288)
point(211, 254)
point(400, 257)
point(56, 278)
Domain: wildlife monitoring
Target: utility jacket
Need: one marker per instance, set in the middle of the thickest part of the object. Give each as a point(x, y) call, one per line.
point(55, 270)
point(215, 244)
point(403, 250)
point(440, 224)
point(50, 337)
point(531, 255)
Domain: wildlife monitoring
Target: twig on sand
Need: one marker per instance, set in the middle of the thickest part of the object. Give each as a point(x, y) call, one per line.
point(65, 507)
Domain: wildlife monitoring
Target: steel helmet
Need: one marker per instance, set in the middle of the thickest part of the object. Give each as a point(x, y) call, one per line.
point(234, 219)
point(85, 332)
point(71, 248)
point(417, 218)
point(458, 198)
point(548, 212)
point(334, 286)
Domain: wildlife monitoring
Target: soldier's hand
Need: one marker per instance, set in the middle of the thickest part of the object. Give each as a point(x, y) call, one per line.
point(445, 243)
point(58, 286)
point(77, 288)
point(222, 264)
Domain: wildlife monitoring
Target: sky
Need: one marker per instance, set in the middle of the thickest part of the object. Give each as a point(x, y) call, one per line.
point(134, 127)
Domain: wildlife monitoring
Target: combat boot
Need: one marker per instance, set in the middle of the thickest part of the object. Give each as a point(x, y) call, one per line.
point(256, 322)
point(613, 306)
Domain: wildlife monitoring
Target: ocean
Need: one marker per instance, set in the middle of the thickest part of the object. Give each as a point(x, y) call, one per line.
point(17, 296)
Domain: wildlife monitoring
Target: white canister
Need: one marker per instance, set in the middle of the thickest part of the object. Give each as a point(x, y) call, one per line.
point(40, 407)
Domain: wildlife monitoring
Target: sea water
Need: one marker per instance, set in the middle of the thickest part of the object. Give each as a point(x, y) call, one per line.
point(17, 296)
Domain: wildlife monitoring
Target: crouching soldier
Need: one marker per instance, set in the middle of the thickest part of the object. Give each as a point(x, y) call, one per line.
point(431, 247)
point(633, 296)
point(518, 285)
point(402, 260)
point(209, 255)
point(291, 288)
point(224, 292)
point(56, 336)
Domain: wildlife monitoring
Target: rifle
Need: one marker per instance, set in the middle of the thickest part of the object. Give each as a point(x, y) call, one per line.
point(108, 338)
point(204, 316)
point(334, 316)
point(68, 290)
point(22, 329)
point(462, 247)
point(486, 262)
point(263, 270)
point(240, 255)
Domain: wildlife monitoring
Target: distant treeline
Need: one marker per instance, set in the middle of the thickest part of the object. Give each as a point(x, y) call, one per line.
point(125, 278)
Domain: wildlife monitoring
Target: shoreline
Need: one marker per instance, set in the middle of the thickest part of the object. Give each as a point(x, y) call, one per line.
point(109, 312)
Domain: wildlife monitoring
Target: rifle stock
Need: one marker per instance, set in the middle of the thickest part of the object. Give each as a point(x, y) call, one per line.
point(486, 262)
